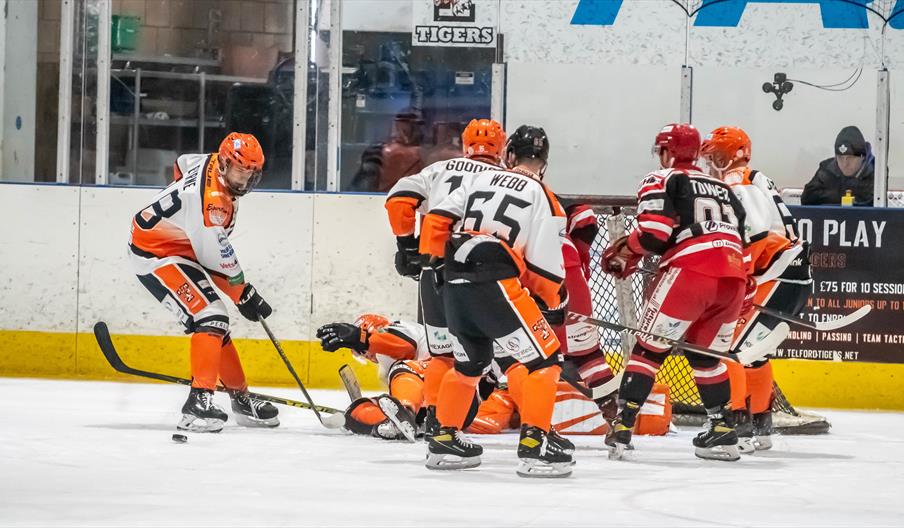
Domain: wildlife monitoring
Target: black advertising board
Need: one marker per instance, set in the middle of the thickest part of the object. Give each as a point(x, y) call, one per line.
point(857, 255)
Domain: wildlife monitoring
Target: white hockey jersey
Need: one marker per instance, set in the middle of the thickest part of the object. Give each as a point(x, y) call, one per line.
point(508, 207)
point(420, 192)
point(192, 218)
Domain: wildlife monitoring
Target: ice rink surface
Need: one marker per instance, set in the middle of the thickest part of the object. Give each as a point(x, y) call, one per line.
point(91, 453)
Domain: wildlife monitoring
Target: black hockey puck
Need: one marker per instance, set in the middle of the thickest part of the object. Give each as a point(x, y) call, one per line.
point(180, 438)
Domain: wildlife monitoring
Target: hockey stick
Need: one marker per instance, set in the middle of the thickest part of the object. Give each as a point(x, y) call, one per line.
point(824, 326)
point(746, 356)
point(102, 334)
point(334, 421)
point(352, 387)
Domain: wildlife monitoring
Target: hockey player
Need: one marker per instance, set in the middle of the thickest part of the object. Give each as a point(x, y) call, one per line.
point(780, 265)
point(179, 248)
point(579, 341)
point(482, 144)
point(401, 353)
point(502, 265)
point(696, 224)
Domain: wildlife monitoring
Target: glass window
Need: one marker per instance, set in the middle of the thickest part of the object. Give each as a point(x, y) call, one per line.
point(187, 72)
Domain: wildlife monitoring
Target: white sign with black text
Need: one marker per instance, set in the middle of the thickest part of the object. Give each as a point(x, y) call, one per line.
point(455, 23)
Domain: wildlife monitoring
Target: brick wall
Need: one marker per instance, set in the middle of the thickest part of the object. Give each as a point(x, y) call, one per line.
point(179, 27)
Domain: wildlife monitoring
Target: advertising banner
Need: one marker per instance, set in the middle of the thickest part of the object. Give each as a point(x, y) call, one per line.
point(857, 257)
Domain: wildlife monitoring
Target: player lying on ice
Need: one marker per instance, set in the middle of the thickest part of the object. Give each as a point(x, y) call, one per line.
point(402, 355)
point(697, 225)
point(780, 265)
point(179, 248)
point(399, 350)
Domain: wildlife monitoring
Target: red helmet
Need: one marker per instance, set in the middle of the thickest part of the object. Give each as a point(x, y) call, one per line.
point(681, 140)
point(729, 143)
point(483, 137)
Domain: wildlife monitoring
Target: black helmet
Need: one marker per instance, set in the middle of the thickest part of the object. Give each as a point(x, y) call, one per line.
point(529, 142)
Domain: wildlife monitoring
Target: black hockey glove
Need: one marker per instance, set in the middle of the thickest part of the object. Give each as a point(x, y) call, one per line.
point(334, 336)
point(555, 316)
point(407, 259)
point(252, 306)
point(438, 266)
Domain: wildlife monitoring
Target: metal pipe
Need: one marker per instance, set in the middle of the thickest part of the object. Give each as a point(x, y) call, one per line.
point(883, 116)
point(64, 103)
point(300, 94)
point(104, 20)
point(497, 93)
point(136, 116)
point(202, 100)
point(334, 114)
point(687, 94)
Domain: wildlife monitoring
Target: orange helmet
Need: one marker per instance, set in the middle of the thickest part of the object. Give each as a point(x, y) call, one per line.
point(730, 144)
point(243, 150)
point(371, 322)
point(483, 137)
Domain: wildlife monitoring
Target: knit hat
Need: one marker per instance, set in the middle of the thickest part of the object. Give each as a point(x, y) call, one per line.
point(850, 142)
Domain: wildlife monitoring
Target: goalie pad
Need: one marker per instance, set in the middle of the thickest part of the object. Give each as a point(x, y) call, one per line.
point(496, 414)
point(655, 414)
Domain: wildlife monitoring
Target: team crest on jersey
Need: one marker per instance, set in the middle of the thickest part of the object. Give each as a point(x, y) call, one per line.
point(216, 214)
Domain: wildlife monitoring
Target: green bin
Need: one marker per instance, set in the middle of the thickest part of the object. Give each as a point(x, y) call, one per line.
point(125, 33)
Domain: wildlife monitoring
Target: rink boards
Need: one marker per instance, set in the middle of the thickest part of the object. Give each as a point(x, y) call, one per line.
point(316, 258)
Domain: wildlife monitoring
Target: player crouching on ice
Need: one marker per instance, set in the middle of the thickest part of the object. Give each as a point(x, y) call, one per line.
point(179, 248)
point(696, 224)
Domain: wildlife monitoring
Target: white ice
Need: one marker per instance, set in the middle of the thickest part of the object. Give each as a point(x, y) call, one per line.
point(91, 453)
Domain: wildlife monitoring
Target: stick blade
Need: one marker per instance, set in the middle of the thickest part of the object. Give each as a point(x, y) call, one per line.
point(333, 421)
point(853, 317)
point(765, 346)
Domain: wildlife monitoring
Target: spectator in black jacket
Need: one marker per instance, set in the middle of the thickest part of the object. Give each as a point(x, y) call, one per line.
point(850, 170)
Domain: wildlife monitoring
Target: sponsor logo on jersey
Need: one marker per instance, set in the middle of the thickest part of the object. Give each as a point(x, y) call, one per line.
point(216, 214)
point(185, 293)
point(513, 344)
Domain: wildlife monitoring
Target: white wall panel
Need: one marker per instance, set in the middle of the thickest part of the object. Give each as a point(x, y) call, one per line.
point(601, 121)
point(353, 261)
point(645, 32)
point(38, 252)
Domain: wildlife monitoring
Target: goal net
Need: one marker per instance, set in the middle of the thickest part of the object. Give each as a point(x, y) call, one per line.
point(622, 300)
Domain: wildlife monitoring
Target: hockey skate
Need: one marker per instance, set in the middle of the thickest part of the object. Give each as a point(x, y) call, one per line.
point(400, 416)
point(541, 457)
point(560, 443)
point(762, 431)
point(200, 415)
point(720, 440)
point(450, 449)
point(618, 437)
point(431, 424)
point(250, 412)
point(744, 429)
